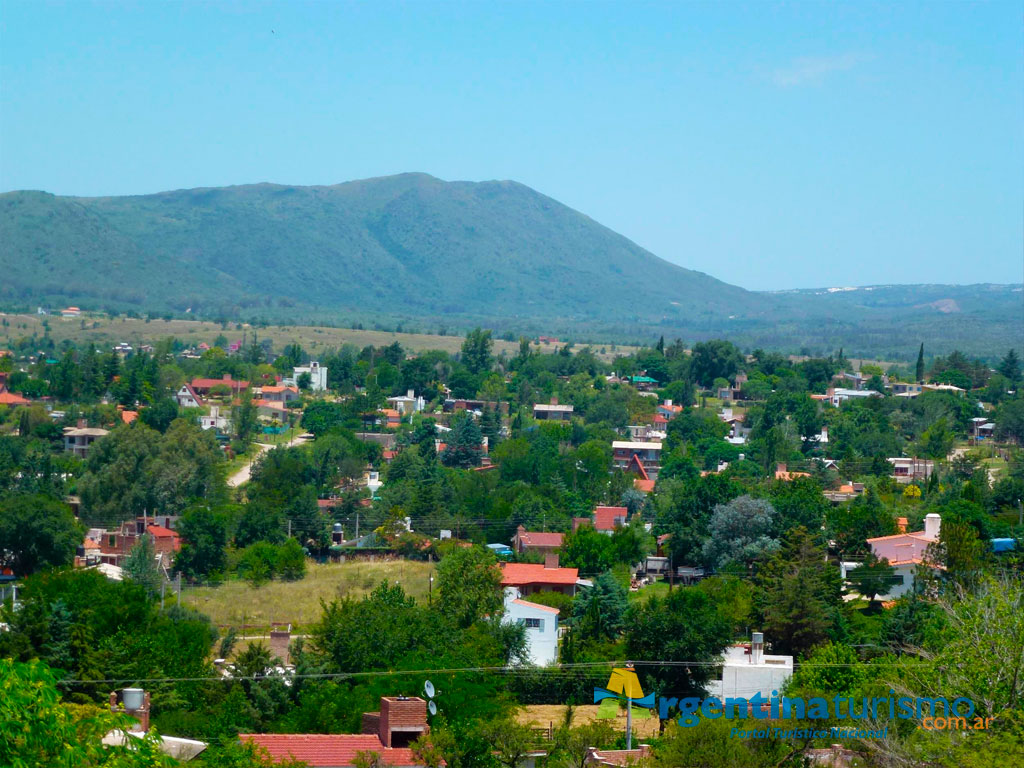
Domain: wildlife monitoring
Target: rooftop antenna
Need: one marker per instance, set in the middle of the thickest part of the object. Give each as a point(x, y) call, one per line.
point(428, 688)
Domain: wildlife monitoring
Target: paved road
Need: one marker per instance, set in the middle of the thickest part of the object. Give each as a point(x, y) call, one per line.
point(242, 476)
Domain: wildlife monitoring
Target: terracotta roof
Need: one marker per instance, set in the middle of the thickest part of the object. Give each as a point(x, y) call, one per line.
point(520, 574)
point(604, 517)
point(273, 388)
point(913, 535)
point(209, 383)
point(539, 539)
point(129, 416)
point(646, 486)
point(538, 606)
point(787, 476)
point(328, 750)
point(275, 404)
point(9, 398)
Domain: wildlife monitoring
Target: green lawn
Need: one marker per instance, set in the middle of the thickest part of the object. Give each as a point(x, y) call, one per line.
point(235, 603)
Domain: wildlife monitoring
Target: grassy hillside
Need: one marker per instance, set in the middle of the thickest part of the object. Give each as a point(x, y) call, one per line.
point(414, 251)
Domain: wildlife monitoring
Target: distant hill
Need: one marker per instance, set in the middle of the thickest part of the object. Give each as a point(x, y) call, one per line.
point(408, 248)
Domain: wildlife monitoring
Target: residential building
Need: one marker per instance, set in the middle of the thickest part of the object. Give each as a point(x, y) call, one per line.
point(904, 551)
point(607, 519)
point(187, 397)
point(215, 420)
point(273, 410)
point(408, 404)
point(388, 732)
point(837, 395)
point(317, 376)
point(70, 312)
point(629, 455)
point(78, 440)
point(280, 394)
point(981, 429)
point(534, 577)
point(908, 470)
point(903, 388)
point(203, 386)
point(782, 473)
point(748, 670)
point(536, 541)
point(668, 411)
point(541, 624)
point(552, 411)
point(115, 544)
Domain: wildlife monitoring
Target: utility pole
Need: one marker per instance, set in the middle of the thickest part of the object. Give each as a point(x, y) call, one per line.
point(357, 526)
point(289, 528)
point(179, 587)
point(163, 588)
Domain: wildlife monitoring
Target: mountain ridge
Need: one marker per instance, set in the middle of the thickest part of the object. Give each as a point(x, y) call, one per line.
point(406, 248)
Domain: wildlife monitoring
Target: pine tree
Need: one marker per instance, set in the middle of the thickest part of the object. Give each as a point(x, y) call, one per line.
point(919, 371)
point(1010, 367)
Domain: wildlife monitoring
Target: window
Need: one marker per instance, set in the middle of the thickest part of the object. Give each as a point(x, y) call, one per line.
point(112, 541)
point(535, 624)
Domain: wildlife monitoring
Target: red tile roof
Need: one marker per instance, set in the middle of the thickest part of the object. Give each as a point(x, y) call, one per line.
point(521, 574)
point(604, 517)
point(129, 416)
point(328, 750)
point(645, 486)
point(160, 532)
point(538, 539)
point(235, 384)
point(9, 398)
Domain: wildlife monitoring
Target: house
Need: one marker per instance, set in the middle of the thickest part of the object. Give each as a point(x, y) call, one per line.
point(846, 492)
point(274, 410)
point(981, 429)
point(10, 399)
point(78, 440)
point(128, 417)
point(541, 623)
point(837, 395)
point(535, 577)
point(70, 312)
point(607, 519)
point(203, 386)
point(747, 670)
point(389, 733)
point(455, 405)
point(904, 551)
point(215, 420)
point(536, 541)
point(739, 431)
point(408, 404)
point(907, 470)
point(279, 394)
point(552, 411)
point(643, 383)
point(187, 397)
point(627, 455)
point(648, 432)
point(317, 375)
point(389, 418)
point(781, 473)
point(668, 411)
point(905, 389)
point(114, 545)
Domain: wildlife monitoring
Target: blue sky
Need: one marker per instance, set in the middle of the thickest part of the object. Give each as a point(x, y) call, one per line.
point(771, 145)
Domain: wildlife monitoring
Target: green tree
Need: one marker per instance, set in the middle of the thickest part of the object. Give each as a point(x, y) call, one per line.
point(599, 612)
point(204, 539)
point(588, 550)
point(919, 368)
point(468, 585)
point(463, 443)
point(1010, 421)
point(36, 532)
point(140, 565)
point(874, 577)
point(740, 532)
point(683, 626)
point(476, 351)
point(1009, 367)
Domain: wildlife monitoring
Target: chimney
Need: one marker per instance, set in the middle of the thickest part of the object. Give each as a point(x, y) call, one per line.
point(756, 647)
point(280, 639)
point(134, 702)
point(932, 524)
point(82, 423)
point(780, 467)
point(550, 560)
point(901, 524)
point(402, 720)
point(520, 530)
point(668, 403)
point(411, 394)
point(554, 399)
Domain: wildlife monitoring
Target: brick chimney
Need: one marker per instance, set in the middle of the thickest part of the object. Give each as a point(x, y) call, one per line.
point(780, 467)
point(550, 559)
point(140, 714)
point(901, 524)
point(402, 720)
point(554, 400)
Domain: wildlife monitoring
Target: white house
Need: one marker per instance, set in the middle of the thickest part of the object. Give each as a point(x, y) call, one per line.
point(408, 403)
point(317, 376)
point(541, 624)
point(188, 397)
point(904, 551)
point(215, 420)
point(747, 670)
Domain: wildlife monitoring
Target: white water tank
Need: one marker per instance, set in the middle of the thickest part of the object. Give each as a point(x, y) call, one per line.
point(932, 524)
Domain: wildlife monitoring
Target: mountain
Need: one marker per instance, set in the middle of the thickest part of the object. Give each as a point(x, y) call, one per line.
point(406, 249)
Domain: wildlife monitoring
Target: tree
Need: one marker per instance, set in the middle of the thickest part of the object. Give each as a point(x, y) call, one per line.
point(476, 351)
point(851, 524)
point(468, 585)
point(714, 359)
point(139, 565)
point(463, 443)
point(919, 368)
point(1009, 367)
point(740, 532)
point(799, 595)
point(244, 418)
point(874, 577)
point(1010, 421)
point(36, 532)
point(588, 550)
point(599, 612)
point(304, 381)
point(683, 626)
point(937, 441)
point(204, 538)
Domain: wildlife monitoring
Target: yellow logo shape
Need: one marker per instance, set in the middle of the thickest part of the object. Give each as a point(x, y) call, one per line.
point(624, 681)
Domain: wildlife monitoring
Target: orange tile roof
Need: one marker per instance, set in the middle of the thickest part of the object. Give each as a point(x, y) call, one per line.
point(646, 486)
point(541, 539)
point(604, 517)
point(322, 750)
point(9, 398)
point(129, 416)
point(521, 574)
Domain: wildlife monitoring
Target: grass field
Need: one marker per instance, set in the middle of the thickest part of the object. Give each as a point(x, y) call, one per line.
point(545, 715)
point(105, 332)
point(235, 603)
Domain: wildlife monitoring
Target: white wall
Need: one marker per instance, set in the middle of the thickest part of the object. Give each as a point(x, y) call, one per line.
point(542, 642)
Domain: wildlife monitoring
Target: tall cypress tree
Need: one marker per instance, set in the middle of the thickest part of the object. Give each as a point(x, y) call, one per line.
point(919, 372)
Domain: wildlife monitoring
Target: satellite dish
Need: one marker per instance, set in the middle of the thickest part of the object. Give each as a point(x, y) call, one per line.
point(432, 707)
point(429, 688)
